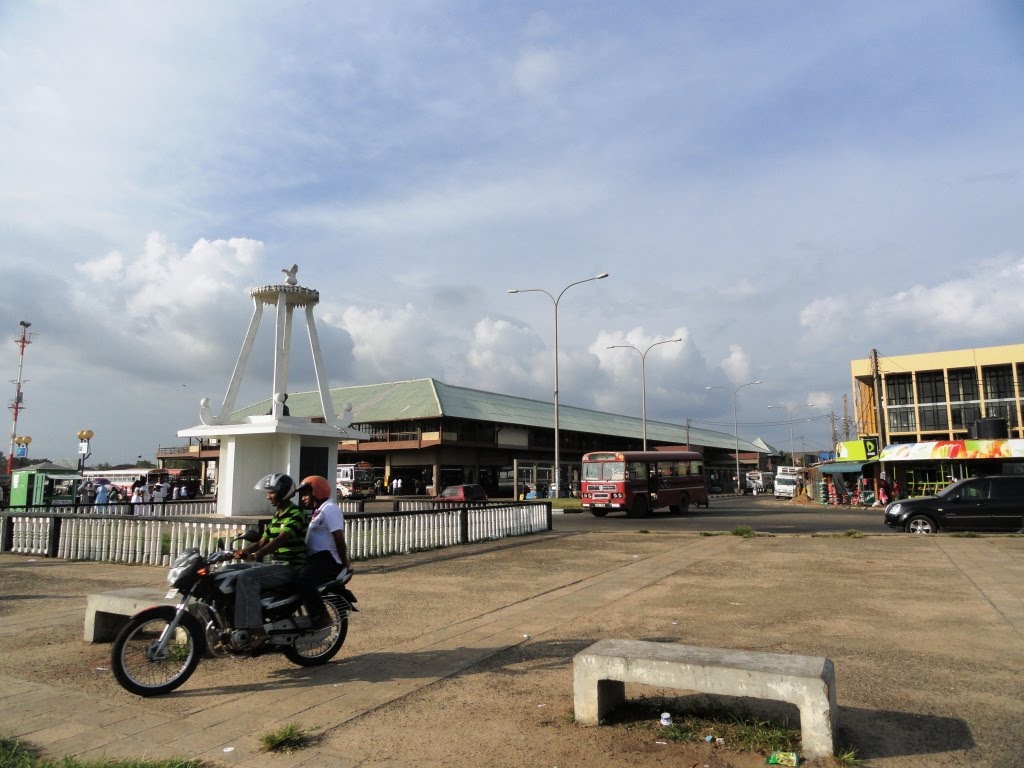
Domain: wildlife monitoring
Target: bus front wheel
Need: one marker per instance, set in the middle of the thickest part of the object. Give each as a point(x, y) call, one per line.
point(598, 512)
point(639, 508)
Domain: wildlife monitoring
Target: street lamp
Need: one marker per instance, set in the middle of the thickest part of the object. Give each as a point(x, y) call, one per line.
point(554, 301)
point(736, 425)
point(23, 442)
point(643, 373)
point(84, 436)
point(792, 441)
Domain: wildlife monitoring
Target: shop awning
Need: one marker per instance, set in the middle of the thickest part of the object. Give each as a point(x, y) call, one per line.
point(842, 467)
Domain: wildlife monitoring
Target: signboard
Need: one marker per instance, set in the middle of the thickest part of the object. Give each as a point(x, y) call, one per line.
point(954, 450)
point(857, 450)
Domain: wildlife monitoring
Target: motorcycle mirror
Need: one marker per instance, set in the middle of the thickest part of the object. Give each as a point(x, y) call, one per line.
point(251, 535)
point(219, 543)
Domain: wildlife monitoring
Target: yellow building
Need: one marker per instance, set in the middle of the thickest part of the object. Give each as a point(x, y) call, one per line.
point(939, 395)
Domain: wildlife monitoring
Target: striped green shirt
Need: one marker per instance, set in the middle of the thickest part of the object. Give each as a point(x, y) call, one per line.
point(294, 521)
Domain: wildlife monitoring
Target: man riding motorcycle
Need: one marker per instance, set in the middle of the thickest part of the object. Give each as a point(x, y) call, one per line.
point(326, 550)
point(283, 540)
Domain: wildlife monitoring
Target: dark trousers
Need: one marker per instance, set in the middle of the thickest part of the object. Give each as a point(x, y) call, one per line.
point(319, 568)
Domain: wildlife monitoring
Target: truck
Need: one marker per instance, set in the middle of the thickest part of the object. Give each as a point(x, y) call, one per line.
point(356, 481)
point(787, 481)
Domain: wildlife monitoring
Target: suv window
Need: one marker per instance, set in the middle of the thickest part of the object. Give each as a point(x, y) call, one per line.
point(1007, 487)
point(972, 489)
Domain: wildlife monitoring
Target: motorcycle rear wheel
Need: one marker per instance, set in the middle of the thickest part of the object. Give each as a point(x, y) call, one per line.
point(312, 652)
point(131, 657)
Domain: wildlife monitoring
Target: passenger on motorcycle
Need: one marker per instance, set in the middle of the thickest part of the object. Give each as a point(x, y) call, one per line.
point(283, 540)
point(326, 550)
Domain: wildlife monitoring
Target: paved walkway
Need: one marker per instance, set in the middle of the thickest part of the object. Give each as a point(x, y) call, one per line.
point(219, 723)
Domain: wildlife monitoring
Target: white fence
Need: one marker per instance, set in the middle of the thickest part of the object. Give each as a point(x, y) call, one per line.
point(157, 541)
point(121, 540)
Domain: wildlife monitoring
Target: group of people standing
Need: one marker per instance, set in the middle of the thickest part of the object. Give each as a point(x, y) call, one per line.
point(306, 545)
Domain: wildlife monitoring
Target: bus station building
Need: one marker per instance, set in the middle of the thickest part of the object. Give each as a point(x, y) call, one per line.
point(432, 435)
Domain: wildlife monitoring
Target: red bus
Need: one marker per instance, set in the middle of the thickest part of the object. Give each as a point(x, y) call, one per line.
point(640, 481)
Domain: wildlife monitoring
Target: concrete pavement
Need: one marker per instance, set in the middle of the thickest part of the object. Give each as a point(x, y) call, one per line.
point(429, 617)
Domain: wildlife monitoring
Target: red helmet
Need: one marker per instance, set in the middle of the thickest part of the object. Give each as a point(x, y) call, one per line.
point(318, 487)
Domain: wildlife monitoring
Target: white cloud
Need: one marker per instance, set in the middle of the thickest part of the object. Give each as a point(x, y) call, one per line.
point(737, 365)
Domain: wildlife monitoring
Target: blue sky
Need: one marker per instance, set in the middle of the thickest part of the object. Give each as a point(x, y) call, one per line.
point(783, 185)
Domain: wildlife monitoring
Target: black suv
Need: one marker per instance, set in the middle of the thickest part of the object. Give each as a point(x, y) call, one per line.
point(986, 504)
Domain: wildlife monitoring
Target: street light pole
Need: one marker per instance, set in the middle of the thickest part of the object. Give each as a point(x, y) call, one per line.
point(84, 436)
point(736, 425)
point(792, 441)
point(554, 301)
point(23, 442)
point(643, 374)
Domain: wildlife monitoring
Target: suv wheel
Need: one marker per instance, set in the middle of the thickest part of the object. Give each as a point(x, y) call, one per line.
point(921, 524)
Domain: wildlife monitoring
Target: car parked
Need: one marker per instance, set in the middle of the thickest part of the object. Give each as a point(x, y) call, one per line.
point(984, 504)
point(462, 494)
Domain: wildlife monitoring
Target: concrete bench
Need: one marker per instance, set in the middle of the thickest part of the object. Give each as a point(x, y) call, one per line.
point(107, 612)
point(600, 674)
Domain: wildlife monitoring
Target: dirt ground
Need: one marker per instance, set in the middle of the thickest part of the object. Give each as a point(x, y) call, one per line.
point(929, 671)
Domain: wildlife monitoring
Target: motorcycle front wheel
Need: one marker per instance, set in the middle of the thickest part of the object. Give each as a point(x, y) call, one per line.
point(138, 664)
point(311, 650)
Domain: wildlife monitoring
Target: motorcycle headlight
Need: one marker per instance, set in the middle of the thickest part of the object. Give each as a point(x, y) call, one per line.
point(183, 563)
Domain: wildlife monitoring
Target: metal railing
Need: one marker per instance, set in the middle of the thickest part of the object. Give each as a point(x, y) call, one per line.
point(61, 533)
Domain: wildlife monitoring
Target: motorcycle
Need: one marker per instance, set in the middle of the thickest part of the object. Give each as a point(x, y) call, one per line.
point(160, 647)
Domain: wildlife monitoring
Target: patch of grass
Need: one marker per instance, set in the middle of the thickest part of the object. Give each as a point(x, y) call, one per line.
point(713, 533)
point(852, 533)
point(743, 530)
point(742, 731)
point(14, 753)
point(288, 738)
point(846, 756)
point(966, 535)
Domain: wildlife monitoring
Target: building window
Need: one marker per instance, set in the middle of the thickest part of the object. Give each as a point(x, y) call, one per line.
point(998, 381)
point(1000, 402)
point(898, 389)
point(930, 389)
point(963, 385)
point(902, 420)
point(965, 415)
point(933, 417)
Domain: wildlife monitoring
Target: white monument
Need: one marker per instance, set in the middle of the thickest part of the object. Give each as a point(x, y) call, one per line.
point(254, 446)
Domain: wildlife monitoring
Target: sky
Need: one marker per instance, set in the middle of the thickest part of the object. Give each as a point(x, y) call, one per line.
point(783, 186)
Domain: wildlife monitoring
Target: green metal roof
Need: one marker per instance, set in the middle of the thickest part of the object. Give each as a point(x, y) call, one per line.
point(431, 399)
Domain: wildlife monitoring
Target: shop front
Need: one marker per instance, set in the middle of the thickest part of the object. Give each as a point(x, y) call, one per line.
point(924, 469)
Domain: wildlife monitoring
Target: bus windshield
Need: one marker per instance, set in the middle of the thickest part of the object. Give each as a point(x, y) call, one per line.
point(605, 470)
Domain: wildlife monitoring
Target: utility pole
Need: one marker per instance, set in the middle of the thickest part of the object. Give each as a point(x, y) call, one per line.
point(846, 417)
point(17, 403)
point(876, 378)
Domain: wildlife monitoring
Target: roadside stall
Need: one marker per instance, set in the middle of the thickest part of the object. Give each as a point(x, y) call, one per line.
point(851, 478)
point(924, 469)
